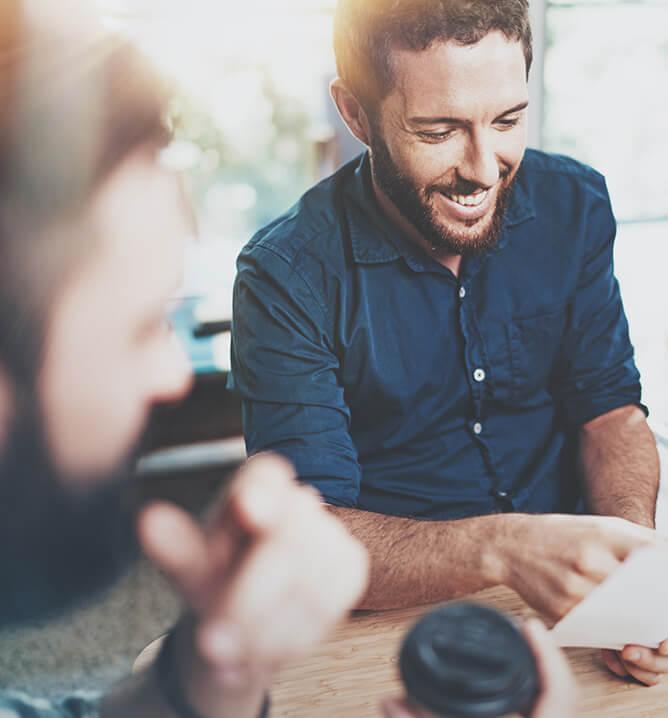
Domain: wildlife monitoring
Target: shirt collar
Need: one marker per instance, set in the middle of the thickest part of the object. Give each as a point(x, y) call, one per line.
point(372, 234)
point(376, 240)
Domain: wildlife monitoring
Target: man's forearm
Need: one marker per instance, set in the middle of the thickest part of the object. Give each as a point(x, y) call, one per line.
point(620, 466)
point(418, 562)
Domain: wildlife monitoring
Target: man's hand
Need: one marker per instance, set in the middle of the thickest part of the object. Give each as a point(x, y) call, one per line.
point(564, 558)
point(272, 574)
point(644, 664)
point(553, 562)
point(558, 698)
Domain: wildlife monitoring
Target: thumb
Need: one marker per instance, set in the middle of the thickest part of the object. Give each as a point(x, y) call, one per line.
point(177, 546)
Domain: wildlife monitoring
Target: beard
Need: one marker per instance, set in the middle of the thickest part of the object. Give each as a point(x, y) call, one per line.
point(414, 204)
point(58, 547)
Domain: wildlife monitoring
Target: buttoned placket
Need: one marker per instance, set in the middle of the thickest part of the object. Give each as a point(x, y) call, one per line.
point(479, 373)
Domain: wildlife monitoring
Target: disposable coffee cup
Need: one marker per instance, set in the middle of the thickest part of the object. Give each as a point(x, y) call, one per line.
point(465, 660)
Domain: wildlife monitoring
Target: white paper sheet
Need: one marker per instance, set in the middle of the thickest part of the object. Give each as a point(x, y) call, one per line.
point(629, 608)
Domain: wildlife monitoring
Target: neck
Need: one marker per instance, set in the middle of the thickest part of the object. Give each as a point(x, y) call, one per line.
point(453, 262)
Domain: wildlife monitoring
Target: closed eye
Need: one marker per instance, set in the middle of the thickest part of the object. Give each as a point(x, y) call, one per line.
point(509, 122)
point(436, 136)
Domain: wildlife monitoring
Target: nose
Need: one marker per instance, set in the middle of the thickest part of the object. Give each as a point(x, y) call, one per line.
point(173, 376)
point(480, 165)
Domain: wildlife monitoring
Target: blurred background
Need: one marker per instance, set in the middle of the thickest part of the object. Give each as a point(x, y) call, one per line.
point(255, 128)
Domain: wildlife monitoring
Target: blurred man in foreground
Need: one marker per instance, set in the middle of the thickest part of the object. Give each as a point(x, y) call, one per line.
point(91, 229)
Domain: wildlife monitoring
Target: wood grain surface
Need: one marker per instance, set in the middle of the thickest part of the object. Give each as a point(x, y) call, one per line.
point(351, 672)
point(357, 667)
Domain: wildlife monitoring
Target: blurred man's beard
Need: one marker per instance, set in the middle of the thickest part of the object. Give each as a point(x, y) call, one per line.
point(57, 548)
point(413, 204)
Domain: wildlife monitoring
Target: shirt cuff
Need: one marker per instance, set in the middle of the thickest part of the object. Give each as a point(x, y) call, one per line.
point(334, 491)
point(582, 413)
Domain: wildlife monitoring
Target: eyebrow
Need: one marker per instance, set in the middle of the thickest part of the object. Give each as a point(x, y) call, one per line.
point(457, 121)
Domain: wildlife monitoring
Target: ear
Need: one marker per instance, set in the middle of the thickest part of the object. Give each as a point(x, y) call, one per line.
point(351, 111)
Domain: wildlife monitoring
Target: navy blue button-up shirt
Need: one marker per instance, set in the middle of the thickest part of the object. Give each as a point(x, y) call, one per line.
point(396, 387)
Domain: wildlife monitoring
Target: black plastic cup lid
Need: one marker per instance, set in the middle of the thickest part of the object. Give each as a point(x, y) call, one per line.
point(465, 660)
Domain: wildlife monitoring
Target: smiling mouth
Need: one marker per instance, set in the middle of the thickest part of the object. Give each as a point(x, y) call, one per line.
point(469, 200)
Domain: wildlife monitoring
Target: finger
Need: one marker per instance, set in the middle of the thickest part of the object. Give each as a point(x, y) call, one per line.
point(254, 505)
point(597, 563)
point(260, 493)
point(397, 708)
point(283, 596)
point(222, 644)
point(270, 614)
point(647, 678)
point(663, 648)
point(614, 663)
point(645, 659)
point(177, 546)
point(568, 593)
point(261, 576)
point(558, 695)
point(632, 537)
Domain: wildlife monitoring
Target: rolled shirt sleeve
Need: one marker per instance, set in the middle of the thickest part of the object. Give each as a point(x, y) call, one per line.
point(598, 370)
point(285, 368)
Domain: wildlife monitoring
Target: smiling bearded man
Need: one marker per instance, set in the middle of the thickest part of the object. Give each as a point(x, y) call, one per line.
point(435, 336)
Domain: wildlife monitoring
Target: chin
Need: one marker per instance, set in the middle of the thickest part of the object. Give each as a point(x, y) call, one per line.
point(473, 235)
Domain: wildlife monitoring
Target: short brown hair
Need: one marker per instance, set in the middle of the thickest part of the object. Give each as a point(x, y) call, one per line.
point(73, 107)
point(366, 32)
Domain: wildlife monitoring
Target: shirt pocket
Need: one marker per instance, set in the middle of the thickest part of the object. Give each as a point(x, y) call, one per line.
point(535, 343)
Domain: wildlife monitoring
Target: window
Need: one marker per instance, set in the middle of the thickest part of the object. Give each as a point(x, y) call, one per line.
point(251, 82)
point(606, 96)
point(606, 103)
point(252, 106)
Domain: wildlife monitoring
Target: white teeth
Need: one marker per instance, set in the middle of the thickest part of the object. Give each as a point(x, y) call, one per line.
point(470, 200)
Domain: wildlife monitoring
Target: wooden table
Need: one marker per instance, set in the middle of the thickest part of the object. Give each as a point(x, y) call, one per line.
point(357, 666)
point(350, 673)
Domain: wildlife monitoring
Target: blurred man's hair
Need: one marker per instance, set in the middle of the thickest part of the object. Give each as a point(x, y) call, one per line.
point(367, 31)
point(74, 104)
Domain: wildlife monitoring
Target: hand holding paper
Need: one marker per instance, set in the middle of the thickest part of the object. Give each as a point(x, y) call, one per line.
point(629, 608)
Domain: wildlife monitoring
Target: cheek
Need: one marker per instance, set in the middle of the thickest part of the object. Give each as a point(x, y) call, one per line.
point(512, 146)
point(428, 164)
point(94, 408)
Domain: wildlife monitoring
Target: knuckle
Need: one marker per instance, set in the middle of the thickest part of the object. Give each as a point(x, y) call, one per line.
point(617, 524)
point(571, 587)
point(587, 560)
point(313, 492)
point(308, 495)
point(305, 505)
point(275, 465)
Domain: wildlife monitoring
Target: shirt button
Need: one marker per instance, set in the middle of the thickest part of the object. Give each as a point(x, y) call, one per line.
point(502, 494)
point(479, 375)
point(477, 429)
point(462, 292)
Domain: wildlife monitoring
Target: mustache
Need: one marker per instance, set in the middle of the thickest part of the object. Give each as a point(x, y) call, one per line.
point(466, 187)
